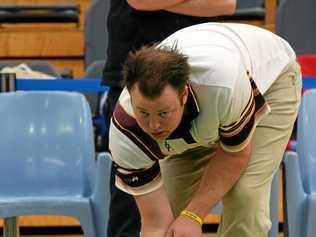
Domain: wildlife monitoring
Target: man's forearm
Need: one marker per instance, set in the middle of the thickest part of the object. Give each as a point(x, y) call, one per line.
point(155, 211)
point(221, 173)
point(204, 8)
point(153, 5)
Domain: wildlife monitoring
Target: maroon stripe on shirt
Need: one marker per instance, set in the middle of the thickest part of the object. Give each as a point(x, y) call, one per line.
point(129, 127)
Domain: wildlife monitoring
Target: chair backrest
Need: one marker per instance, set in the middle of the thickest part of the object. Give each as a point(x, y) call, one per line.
point(308, 64)
point(46, 144)
point(249, 10)
point(295, 21)
point(249, 4)
point(94, 71)
point(306, 139)
point(95, 31)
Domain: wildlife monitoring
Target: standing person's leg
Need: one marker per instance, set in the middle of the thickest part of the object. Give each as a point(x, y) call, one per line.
point(124, 218)
point(246, 210)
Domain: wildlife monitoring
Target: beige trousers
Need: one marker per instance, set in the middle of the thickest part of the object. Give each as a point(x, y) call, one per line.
point(246, 206)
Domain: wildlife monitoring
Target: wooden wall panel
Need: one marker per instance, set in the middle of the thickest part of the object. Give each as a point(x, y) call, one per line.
point(61, 44)
point(36, 43)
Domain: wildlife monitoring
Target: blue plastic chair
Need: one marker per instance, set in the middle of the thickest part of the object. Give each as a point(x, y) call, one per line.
point(47, 161)
point(300, 174)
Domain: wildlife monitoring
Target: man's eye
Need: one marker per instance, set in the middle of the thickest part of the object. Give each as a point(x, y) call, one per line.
point(143, 114)
point(164, 114)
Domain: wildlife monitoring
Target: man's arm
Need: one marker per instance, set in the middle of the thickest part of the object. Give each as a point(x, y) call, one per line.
point(155, 211)
point(221, 173)
point(205, 8)
point(153, 5)
point(202, 8)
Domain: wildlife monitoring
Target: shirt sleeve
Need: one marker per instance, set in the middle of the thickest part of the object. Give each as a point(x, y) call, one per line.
point(136, 173)
point(245, 107)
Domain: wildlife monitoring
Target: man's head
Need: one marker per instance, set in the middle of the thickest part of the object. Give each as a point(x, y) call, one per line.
point(156, 79)
point(153, 68)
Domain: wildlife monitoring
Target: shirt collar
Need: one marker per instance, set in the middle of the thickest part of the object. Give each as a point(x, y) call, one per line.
point(191, 111)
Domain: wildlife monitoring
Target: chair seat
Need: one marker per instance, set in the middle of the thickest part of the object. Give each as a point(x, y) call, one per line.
point(42, 205)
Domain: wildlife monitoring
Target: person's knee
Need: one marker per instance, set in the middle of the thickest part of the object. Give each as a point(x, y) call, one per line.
point(245, 194)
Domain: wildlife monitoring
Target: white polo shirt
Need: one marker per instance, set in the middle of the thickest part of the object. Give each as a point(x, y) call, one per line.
point(224, 106)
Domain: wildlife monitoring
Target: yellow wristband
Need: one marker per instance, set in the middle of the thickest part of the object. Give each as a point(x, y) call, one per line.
point(192, 216)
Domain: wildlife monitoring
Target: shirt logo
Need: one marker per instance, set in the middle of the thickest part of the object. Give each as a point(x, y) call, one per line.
point(130, 180)
point(167, 146)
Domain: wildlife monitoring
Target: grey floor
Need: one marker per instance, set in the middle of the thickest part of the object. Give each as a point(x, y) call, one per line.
point(204, 235)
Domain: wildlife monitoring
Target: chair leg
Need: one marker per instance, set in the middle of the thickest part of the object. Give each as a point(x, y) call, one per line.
point(11, 227)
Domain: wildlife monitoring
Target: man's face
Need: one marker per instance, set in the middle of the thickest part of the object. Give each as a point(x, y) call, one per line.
point(159, 117)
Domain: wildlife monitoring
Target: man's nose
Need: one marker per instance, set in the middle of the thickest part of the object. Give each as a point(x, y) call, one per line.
point(154, 124)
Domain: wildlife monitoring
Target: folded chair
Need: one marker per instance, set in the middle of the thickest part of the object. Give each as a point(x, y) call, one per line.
point(95, 31)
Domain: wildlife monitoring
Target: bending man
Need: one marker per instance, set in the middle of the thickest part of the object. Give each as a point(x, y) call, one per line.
point(205, 116)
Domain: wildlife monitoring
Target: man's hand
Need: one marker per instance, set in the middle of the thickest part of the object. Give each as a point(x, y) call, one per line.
point(184, 227)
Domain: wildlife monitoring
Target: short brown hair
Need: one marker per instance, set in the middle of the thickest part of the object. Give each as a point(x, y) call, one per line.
point(155, 67)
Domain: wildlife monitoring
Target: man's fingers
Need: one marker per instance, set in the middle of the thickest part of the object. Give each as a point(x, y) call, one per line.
point(169, 233)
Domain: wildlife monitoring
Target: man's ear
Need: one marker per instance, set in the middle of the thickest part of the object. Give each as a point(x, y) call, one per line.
point(185, 94)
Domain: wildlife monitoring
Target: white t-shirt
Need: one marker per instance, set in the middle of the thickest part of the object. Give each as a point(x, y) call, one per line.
point(224, 106)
